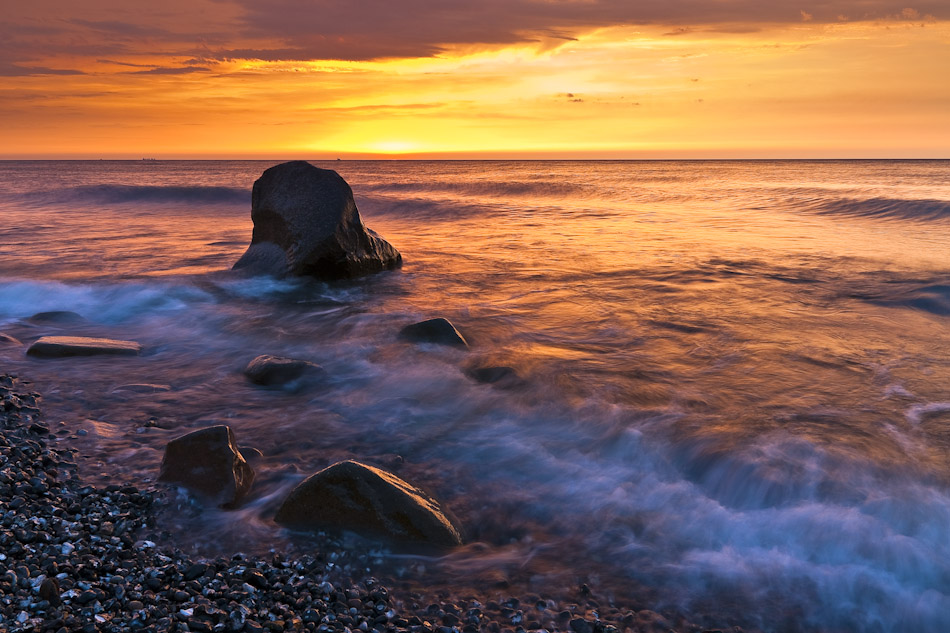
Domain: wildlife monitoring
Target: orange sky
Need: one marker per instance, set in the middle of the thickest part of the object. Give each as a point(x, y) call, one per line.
point(522, 78)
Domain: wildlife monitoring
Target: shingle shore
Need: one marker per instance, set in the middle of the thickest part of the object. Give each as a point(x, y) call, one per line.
point(74, 558)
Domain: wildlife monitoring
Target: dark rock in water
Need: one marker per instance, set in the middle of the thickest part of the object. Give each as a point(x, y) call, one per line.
point(353, 496)
point(439, 331)
point(208, 463)
point(64, 317)
point(499, 376)
point(306, 223)
point(59, 346)
point(6, 339)
point(275, 370)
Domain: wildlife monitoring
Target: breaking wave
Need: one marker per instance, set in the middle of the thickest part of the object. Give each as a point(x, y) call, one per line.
point(885, 208)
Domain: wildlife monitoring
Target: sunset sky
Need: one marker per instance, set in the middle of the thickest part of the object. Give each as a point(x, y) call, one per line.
point(475, 79)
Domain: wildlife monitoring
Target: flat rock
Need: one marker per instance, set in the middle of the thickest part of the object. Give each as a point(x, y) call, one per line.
point(352, 496)
point(306, 224)
point(209, 464)
point(6, 339)
point(275, 370)
point(143, 387)
point(439, 331)
point(59, 346)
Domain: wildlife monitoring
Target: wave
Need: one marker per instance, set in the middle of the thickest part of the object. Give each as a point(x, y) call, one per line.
point(922, 210)
point(487, 188)
point(125, 194)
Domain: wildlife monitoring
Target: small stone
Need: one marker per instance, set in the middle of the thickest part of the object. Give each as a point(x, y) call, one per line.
point(269, 371)
point(580, 625)
point(196, 570)
point(438, 331)
point(49, 591)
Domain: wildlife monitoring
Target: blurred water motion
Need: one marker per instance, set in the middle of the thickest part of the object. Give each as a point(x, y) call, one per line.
point(735, 376)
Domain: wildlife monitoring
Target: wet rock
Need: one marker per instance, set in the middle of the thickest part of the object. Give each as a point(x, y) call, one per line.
point(306, 224)
point(353, 496)
point(6, 339)
point(439, 331)
point(61, 346)
point(59, 317)
point(209, 464)
point(498, 376)
point(275, 370)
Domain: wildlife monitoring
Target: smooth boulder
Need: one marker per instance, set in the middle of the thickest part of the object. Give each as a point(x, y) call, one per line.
point(60, 346)
point(306, 224)
point(209, 464)
point(372, 502)
point(271, 371)
point(438, 331)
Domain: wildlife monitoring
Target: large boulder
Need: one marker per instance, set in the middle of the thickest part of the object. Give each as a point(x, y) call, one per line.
point(438, 331)
point(59, 346)
point(208, 463)
point(271, 371)
point(353, 496)
point(306, 223)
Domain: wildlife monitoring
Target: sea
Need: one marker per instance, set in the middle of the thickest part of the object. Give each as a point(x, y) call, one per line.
point(733, 377)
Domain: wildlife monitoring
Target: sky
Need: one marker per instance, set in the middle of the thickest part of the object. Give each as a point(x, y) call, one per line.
point(324, 79)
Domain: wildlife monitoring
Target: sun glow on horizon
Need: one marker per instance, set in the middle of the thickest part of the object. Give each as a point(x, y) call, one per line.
point(639, 90)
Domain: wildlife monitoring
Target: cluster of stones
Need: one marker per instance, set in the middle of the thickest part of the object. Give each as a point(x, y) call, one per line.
point(71, 558)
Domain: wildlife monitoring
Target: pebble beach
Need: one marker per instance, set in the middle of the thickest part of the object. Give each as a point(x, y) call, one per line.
point(74, 557)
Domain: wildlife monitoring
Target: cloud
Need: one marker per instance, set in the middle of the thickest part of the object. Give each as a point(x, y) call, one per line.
point(177, 70)
point(354, 30)
point(370, 29)
point(8, 69)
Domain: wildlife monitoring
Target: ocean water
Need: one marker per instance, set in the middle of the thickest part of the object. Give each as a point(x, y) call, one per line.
point(735, 376)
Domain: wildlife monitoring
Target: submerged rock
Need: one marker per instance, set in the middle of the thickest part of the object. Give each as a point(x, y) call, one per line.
point(209, 464)
point(59, 346)
point(64, 317)
point(276, 370)
point(306, 223)
point(498, 376)
point(6, 339)
point(353, 496)
point(439, 331)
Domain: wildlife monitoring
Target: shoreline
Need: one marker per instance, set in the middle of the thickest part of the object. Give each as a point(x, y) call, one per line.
point(80, 558)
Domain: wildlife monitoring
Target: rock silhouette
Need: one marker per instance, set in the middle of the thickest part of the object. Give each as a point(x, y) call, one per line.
point(306, 224)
